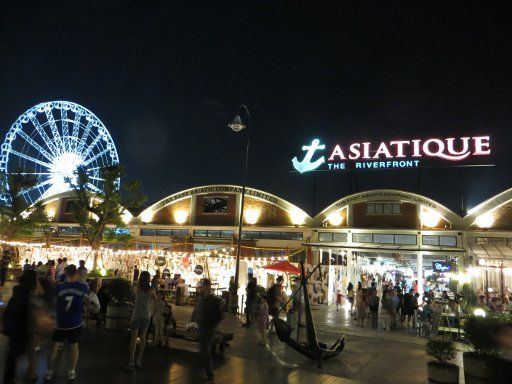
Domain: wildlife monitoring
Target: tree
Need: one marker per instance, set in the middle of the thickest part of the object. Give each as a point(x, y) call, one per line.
point(17, 217)
point(94, 211)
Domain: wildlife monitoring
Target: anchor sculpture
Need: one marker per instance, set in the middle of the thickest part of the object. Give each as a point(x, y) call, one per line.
point(312, 348)
point(306, 165)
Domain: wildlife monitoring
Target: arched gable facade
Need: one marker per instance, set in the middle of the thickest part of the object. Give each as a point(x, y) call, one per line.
point(375, 207)
point(494, 213)
point(220, 204)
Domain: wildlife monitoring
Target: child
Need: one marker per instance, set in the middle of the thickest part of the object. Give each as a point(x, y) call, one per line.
point(158, 318)
point(338, 300)
point(263, 320)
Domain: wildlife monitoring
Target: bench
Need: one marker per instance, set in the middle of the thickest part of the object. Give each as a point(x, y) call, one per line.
point(220, 341)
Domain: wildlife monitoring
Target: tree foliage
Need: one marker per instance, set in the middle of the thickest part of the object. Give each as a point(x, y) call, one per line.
point(94, 211)
point(17, 217)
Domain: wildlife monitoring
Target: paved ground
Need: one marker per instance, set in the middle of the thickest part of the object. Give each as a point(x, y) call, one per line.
point(371, 356)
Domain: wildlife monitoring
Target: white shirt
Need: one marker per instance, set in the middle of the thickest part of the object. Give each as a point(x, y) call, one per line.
point(92, 301)
point(60, 268)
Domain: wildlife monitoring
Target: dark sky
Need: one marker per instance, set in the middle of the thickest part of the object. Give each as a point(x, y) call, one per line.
point(165, 77)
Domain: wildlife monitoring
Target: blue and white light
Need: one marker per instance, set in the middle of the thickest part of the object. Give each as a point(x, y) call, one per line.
point(50, 140)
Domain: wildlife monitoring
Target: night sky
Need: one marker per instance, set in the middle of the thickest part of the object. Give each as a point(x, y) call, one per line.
point(166, 77)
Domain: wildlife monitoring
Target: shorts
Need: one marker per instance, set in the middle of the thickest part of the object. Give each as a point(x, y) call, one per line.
point(71, 335)
point(139, 324)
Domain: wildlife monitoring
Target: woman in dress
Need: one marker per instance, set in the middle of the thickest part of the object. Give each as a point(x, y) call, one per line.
point(350, 296)
point(141, 315)
point(361, 305)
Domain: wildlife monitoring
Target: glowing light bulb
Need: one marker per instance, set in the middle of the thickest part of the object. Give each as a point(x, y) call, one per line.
point(251, 215)
point(430, 218)
point(485, 221)
point(297, 217)
point(335, 219)
point(180, 216)
point(146, 216)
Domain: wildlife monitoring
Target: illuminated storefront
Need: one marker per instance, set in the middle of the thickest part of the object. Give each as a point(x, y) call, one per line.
point(378, 231)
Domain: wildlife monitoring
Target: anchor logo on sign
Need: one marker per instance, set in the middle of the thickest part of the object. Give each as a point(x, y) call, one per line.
point(306, 165)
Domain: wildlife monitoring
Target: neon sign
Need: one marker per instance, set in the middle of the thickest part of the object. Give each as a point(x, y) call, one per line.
point(441, 266)
point(390, 154)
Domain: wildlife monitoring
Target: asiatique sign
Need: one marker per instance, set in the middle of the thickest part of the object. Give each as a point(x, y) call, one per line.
point(390, 154)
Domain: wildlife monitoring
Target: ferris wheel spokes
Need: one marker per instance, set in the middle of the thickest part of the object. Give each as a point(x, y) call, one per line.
point(91, 146)
point(27, 157)
point(55, 130)
point(83, 139)
point(43, 134)
point(76, 129)
point(64, 125)
point(94, 188)
point(50, 141)
point(32, 142)
point(91, 159)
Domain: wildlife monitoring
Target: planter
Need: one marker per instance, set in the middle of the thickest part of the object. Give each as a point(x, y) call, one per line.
point(118, 316)
point(477, 368)
point(439, 373)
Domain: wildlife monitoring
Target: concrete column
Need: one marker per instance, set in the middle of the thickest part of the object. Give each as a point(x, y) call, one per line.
point(330, 280)
point(350, 267)
point(419, 267)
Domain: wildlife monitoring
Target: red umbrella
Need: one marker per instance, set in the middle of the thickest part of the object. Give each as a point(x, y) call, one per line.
point(283, 266)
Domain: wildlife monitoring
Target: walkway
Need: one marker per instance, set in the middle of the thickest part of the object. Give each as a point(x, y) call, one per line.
point(370, 356)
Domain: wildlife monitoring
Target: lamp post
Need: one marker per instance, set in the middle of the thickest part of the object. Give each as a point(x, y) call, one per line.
point(238, 125)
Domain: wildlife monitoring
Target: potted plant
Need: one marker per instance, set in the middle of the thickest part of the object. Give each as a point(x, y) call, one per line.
point(442, 370)
point(480, 331)
point(119, 308)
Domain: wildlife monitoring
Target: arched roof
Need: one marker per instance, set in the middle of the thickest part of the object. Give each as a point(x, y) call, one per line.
point(390, 194)
point(487, 206)
point(58, 196)
point(225, 188)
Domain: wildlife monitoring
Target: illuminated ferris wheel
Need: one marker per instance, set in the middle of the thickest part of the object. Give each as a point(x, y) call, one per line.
point(49, 141)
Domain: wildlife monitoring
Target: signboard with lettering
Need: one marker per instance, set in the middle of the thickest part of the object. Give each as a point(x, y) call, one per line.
point(441, 266)
point(390, 154)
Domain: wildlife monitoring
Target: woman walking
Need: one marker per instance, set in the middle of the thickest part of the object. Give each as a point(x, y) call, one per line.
point(350, 295)
point(140, 319)
point(361, 305)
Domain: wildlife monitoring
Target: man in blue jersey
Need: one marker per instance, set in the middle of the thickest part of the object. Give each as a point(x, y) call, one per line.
point(70, 313)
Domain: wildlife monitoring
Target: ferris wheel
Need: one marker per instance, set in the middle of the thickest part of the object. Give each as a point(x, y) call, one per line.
point(49, 141)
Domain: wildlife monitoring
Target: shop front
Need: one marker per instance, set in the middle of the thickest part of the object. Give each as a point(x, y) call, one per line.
point(386, 235)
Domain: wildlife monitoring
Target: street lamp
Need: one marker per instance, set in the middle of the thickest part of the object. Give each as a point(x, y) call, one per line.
point(238, 125)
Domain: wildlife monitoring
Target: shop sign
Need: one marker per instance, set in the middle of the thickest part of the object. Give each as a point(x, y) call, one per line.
point(198, 270)
point(160, 261)
point(441, 266)
point(390, 154)
point(216, 189)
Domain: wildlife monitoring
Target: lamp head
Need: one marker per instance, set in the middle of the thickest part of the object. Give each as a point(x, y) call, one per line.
point(236, 125)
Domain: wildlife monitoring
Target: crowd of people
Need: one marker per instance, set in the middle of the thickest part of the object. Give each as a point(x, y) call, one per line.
point(42, 305)
point(391, 303)
point(54, 300)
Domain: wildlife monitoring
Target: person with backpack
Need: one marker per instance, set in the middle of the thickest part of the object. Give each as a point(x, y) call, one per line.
point(207, 314)
point(373, 304)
